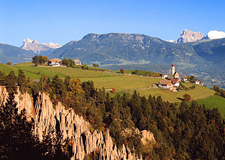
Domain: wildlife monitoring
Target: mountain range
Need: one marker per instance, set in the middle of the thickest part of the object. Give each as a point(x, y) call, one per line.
point(201, 56)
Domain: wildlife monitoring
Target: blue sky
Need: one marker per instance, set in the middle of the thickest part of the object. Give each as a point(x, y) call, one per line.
point(64, 20)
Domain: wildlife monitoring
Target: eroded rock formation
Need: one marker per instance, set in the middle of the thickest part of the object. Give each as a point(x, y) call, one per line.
point(73, 127)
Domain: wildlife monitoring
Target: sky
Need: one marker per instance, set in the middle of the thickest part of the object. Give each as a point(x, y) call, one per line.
point(61, 21)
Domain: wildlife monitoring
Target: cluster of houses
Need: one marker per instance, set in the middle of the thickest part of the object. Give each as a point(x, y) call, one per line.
point(172, 82)
point(58, 62)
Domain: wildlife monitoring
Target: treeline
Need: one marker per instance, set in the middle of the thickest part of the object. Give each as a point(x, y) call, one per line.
point(146, 73)
point(181, 131)
point(40, 60)
point(220, 91)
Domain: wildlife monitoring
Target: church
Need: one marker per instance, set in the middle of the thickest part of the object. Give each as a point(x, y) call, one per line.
point(174, 73)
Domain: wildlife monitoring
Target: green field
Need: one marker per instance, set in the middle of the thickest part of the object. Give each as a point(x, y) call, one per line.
point(122, 83)
point(214, 102)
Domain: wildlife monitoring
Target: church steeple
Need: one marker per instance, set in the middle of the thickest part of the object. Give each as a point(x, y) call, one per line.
point(173, 69)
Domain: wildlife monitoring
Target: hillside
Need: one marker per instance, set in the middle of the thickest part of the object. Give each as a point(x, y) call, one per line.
point(200, 59)
point(97, 126)
point(119, 48)
point(14, 54)
point(121, 83)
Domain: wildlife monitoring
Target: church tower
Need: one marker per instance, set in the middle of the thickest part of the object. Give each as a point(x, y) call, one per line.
point(173, 69)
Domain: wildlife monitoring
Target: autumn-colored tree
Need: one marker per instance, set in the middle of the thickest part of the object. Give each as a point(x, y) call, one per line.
point(122, 70)
point(8, 63)
point(95, 65)
point(45, 59)
point(187, 97)
point(75, 89)
point(44, 80)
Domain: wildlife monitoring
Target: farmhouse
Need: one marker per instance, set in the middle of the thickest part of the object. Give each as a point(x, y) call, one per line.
point(184, 79)
point(196, 81)
point(77, 62)
point(54, 62)
point(175, 82)
point(165, 84)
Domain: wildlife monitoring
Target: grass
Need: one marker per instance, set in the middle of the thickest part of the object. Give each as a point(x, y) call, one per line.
point(122, 83)
point(198, 93)
point(214, 102)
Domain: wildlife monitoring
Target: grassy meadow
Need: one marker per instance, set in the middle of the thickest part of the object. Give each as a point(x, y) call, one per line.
point(122, 83)
point(214, 102)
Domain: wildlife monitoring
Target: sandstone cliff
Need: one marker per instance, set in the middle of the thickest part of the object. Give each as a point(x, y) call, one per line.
point(72, 126)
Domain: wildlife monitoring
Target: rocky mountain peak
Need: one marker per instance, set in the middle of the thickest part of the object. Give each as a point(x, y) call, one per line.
point(36, 47)
point(189, 36)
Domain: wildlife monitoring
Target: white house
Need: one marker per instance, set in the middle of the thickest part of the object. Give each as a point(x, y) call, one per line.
point(196, 81)
point(175, 82)
point(184, 79)
point(54, 62)
point(77, 62)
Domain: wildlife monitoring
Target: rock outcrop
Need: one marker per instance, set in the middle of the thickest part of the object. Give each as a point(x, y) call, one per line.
point(189, 36)
point(73, 127)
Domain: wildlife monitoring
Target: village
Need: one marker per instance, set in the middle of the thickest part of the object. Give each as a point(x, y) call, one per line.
point(172, 82)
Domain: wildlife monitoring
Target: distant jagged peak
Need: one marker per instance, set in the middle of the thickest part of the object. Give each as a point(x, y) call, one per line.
point(28, 42)
point(189, 36)
point(214, 34)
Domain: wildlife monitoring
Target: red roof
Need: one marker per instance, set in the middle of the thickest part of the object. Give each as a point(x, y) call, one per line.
point(174, 81)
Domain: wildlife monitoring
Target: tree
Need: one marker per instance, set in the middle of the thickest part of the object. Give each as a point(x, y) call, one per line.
point(45, 59)
point(64, 61)
point(35, 60)
point(40, 59)
point(22, 82)
point(11, 81)
point(75, 89)
point(187, 97)
point(95, 65)
point(66, 82)
point(8, 63)
point(58, 87)
point(85, 66)
point(2, 78)
point(122, 70)
point(44, 80)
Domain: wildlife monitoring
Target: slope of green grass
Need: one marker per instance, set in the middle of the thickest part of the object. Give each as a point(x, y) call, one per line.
point(198, 92)
point(8, 68)
point(214, 102)
point(122, 83)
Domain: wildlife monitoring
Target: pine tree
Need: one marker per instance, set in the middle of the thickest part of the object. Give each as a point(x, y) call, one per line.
point(22, 82)
point(11, 81)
